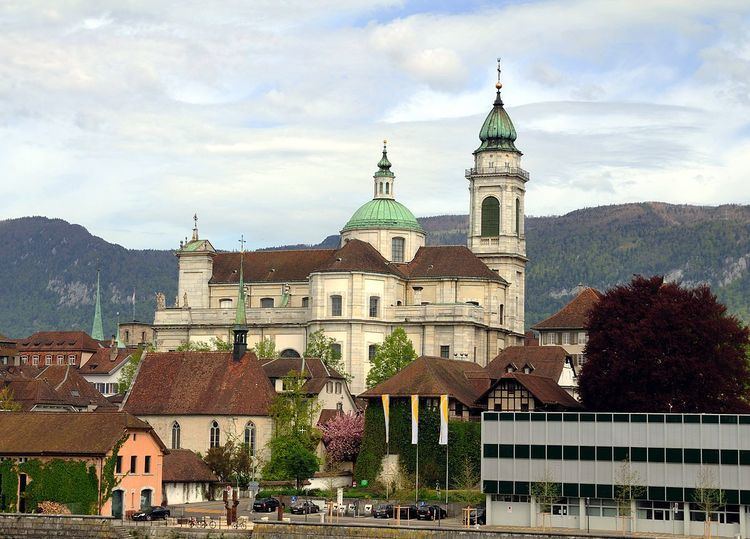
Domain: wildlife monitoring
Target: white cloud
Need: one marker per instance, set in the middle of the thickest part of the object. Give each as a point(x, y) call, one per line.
point(267, 117)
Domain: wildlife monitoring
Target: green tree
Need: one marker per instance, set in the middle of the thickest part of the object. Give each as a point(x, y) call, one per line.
point(394, 354)
point(231, 462)
point(322, 347)
point(221, 345)
point(628, 487)
point(194, 346)
point(545, 491)
point(125, 380)
point(266, 349)
point(293, 410)
point(708, 497)
point(7, 404)
point(291, 459)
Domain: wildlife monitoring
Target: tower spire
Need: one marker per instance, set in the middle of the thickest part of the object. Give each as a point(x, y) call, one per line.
point(97, 330)
point(383, 177)
point(240, 319)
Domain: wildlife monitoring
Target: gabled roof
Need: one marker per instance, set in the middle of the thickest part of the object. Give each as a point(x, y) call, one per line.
point(544, 389)
point(73, 388)
point(199, 383)
point(106, 360)
point(53, 385)
point(56, 433)
point(546, 361)
point(358, 255)
point(42, 341)
point(448, 261)
point(575, 314)
point(316, 372)
point(429, 376)
point(184, 466)
point(327, 414)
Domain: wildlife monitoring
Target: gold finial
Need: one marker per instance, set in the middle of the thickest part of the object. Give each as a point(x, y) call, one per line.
point(498, 84)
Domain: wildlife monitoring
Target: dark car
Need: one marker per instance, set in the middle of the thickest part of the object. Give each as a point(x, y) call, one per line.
point(266, 505)
point(387, 511)
point(155, 513)
point(304, 508)
point(431, 512)
point(478, 516)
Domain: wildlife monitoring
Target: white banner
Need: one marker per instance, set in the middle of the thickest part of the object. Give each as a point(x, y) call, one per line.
point(414, 419)
point(443, 420)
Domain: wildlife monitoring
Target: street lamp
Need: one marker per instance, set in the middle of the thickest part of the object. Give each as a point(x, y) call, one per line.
point(588, 515)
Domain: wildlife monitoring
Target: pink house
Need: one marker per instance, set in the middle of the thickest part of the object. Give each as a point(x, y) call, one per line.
point(92, 438)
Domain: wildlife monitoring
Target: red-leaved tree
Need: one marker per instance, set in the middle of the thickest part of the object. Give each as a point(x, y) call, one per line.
point(658, 347)
point(342, 436)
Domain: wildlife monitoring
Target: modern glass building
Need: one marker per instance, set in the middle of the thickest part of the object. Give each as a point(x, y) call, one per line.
point(668, 460)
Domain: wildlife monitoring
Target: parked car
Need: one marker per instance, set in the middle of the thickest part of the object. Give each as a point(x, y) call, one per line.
point(431, 512)
point(387, 511)
point(304, 508)
point(154, 513)
point(266, 505)
point(478, 516)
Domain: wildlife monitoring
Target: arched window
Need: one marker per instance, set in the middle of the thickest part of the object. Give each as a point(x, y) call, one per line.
point(146, 499)
point(175, 435)
point(250, 437)
point(266, 303)
point(289, 352)
point(371, 351)
point(386, 187)
point(518, 217)
point(225, 303)
point(490, 217)
point(397, 249)
point(374, 306)
point(213, 440)
point(381, 188)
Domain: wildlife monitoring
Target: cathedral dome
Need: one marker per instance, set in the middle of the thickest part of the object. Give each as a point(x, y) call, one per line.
point(497, 131)
point(383, 213)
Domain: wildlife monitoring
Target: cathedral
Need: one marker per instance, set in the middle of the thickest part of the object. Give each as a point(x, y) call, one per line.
point(452, 301)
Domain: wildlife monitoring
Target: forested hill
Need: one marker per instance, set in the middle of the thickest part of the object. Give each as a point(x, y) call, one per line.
point(48, 268)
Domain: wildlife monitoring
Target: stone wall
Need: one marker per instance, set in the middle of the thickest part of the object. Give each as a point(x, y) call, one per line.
point(14, 526)
point(270, 530)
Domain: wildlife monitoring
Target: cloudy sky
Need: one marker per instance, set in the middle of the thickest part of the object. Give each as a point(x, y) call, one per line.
point(266, 117)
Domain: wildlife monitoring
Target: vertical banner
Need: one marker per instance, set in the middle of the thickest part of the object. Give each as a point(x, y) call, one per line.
point(386, 413)
point(414, 419)
point(443, 420)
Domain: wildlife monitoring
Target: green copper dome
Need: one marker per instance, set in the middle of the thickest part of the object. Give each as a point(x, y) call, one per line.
point(383, 213)
point(497, 131)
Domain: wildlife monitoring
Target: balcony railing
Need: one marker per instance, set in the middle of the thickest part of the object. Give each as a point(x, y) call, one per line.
point(255, 315)
point(436, 312)
point(494, 171)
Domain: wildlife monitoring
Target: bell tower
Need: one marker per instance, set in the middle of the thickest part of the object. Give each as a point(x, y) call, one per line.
point(497, 185)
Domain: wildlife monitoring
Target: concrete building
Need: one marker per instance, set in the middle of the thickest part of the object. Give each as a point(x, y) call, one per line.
point(669, 459)
point(454, 302)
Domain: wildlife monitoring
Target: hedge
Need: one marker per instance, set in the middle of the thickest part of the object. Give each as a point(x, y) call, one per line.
point(464, 440)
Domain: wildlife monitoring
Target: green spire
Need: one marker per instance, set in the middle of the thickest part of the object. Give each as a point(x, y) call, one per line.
point(240, 319)
point(384, 166)
point(498, 132)
point(118, 342)
point(97, 331)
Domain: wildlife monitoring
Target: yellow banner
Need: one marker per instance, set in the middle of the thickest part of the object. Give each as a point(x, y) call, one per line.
point(386, 413)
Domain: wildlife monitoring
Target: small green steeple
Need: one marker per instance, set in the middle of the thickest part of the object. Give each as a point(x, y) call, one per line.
point(384, 165)
point(240, 319)
point(97, 330)
point(497, 131)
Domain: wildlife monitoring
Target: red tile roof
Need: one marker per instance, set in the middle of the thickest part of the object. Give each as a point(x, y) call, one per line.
point(199, 383)
point(269, 266)
point(316, 372)
point(66, 433)
point(575, 314)
point(546, 361)
point(327, 414)
point(59, 340)
point(29, 393)
point(184, 466)
point(434, 376)
point(544, 389)
point(448, 261)
point(74, 388)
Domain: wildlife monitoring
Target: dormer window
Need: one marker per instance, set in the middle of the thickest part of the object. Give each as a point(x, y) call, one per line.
point(225, 303)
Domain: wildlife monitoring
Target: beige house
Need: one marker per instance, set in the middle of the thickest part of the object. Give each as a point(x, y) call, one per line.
point(567, 327)
point(453, 302)
point(199, 400)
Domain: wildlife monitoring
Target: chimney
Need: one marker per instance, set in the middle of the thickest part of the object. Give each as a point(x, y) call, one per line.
point(240, 342)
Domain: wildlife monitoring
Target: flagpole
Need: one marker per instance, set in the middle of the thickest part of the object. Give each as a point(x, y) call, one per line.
point(416, 478)
point(446, 477)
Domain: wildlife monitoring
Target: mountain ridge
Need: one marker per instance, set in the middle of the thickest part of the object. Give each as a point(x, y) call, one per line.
point(49, 274)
